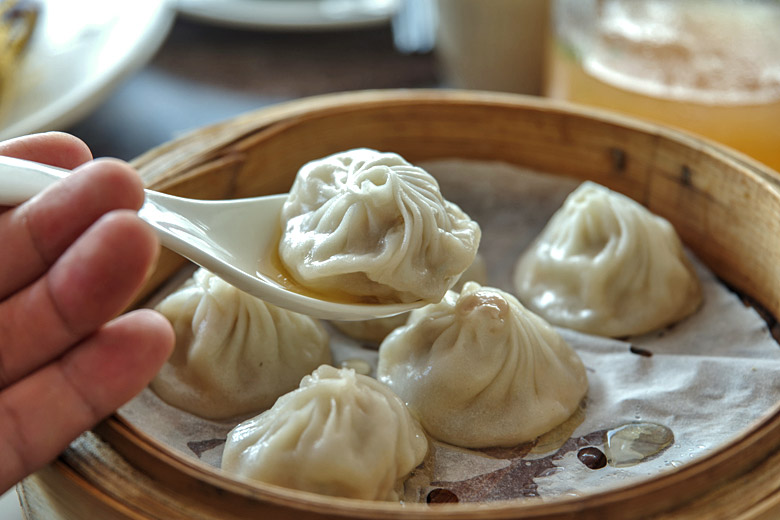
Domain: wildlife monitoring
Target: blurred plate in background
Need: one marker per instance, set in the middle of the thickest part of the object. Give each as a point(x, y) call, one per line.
point(80, 51)
point(290, 15)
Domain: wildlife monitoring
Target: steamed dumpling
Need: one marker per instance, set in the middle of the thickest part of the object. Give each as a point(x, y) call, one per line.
point(605, 265)
point(480, 370)
point(370, 226)
point(339, 434)
point(375, 330)
point(234, 354)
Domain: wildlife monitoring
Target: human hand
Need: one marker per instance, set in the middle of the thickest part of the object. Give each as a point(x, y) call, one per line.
point(71, 259)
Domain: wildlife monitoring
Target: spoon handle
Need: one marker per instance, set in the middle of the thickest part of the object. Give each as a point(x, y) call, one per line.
point(21, 180)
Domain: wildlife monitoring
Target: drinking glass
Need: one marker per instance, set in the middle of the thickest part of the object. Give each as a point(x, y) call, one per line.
point(711, 67)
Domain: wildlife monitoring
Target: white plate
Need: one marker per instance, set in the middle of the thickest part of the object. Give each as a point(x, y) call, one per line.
point(298, 15)
point(80, 51)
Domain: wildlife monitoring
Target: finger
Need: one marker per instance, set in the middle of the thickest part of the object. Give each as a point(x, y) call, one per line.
point(90, 284)
point(35, 234)
point(45, 411)
point(52, 148)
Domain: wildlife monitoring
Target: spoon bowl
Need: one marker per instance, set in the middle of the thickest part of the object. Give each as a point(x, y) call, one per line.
point(235, 239)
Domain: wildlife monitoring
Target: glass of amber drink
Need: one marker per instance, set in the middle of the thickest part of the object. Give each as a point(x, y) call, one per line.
point(711, 67)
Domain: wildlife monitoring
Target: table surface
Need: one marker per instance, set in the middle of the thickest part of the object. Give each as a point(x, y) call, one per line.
point(204, 74)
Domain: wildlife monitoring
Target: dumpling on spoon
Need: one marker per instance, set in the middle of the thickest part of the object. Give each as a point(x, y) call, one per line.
point(606, 265)
point(368, 226)
point(375, 330)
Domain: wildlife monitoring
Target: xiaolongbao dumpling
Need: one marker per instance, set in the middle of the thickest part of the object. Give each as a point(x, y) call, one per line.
point(339, 434)
point(605, 265)
point(372, 331)
point(234, 354)
point(370, 226)
point(375, 330)
point(478, 370)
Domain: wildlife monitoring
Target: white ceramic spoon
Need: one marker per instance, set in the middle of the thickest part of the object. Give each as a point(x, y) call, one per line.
point(231, 238)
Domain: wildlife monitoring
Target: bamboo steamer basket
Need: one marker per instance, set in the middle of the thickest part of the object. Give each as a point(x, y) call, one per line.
point(725, 207)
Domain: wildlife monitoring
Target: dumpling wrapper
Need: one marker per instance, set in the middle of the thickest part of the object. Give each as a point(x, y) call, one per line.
point(339, 434)
point(234, 354)
point(606, 265)
point(480, 370)
point(370, 226)
point(377, 329)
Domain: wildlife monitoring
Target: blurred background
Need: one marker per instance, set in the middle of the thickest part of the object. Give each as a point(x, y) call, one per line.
point(128, 76)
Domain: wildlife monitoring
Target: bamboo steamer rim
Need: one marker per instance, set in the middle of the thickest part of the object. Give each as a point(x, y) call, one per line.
point(154, 164)
point(163, 165)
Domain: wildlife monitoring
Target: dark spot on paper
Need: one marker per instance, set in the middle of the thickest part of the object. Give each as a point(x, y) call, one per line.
point(774, 330)
point(772, 325)
point(517, 479)
point(592, 457)
point(198, 447)
point(640, 351)
point(441, 496)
